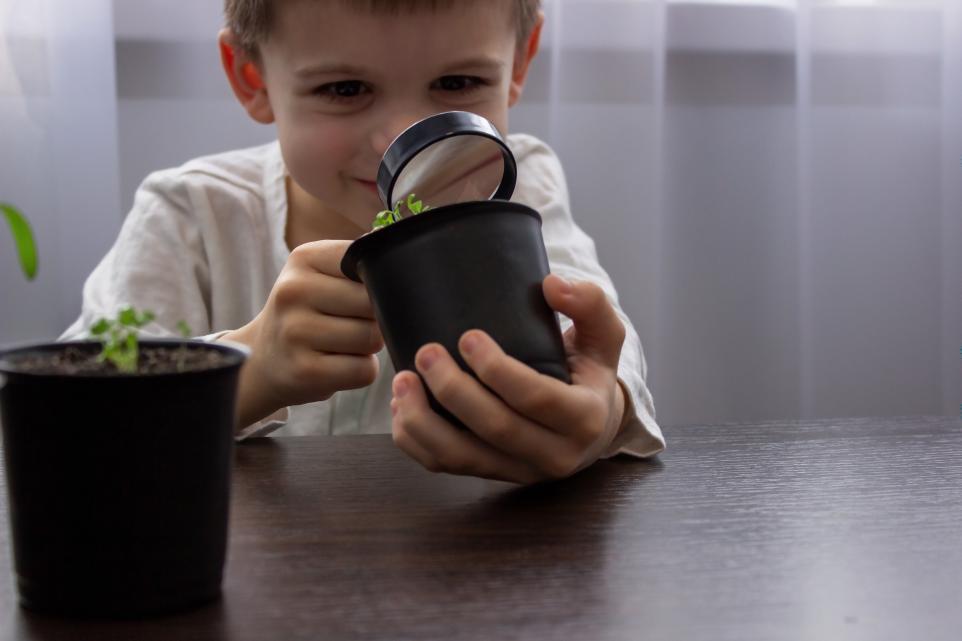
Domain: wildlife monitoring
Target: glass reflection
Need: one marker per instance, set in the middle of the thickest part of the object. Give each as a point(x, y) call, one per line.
point(453, 170)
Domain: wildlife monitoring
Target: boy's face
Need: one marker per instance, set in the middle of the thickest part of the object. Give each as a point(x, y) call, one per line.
point(342, 83)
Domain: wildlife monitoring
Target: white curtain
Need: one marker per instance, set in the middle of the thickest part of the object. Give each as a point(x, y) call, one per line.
point(775, 186)
point(58, 155)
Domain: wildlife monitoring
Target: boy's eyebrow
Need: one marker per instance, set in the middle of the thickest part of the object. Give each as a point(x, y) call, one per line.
point(481, 62)
point(307, 71)
point(331, 67)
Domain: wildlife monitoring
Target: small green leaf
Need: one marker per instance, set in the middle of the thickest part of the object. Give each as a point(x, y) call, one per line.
point(22, 239)
point(414, 206)
point(127, 317)
point(184, 329)
point(100, 327)
point(389, 216)
point(383, 219)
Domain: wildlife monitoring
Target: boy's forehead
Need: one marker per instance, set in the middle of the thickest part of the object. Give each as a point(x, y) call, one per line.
point(397, 8)
point(309, 25)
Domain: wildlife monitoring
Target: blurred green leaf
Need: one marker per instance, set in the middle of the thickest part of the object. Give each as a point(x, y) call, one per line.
point(127, 317)
point(100, 327)
point(22, 239)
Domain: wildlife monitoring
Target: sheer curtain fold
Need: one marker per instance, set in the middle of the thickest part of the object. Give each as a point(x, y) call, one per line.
point(58, 163)
point(774, 187)
point(951, 231)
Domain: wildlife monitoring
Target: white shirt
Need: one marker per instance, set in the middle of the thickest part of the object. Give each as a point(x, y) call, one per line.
point(205, 242)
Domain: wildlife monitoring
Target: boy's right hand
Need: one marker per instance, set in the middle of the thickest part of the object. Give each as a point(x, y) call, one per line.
point(316, 335)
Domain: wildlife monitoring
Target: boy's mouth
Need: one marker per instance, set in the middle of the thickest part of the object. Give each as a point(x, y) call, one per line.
point(370, 185)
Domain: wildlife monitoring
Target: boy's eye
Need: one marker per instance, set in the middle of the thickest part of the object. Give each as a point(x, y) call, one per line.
point(458, 83)
point(341, 90)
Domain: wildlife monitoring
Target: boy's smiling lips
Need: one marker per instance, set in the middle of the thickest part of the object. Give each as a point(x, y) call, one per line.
point(368, 184)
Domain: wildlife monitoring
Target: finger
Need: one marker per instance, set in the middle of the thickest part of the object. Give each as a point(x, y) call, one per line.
point(340, 297)
point(314, 376)
point(346, 371)
point(599, 333)
point(322, 256)
point(332, 334)
point(440, 446)
point(322, 293)
point(491, 419)
point(408, 445)
point(556, 405)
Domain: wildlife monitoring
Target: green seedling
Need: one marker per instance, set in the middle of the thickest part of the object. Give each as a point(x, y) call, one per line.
point(22, 239)
point(388, 216)
point(119, 337)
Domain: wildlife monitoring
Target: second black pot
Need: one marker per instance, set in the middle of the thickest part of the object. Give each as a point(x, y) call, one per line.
point(119, 486)
point(475, 265)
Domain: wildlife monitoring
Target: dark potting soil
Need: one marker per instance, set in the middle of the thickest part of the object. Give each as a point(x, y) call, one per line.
point(153, 360)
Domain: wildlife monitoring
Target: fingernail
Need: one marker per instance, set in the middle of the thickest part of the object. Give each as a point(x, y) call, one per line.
point(400, 387)
point(469, 343)
point(566, 287)
point(427, 359)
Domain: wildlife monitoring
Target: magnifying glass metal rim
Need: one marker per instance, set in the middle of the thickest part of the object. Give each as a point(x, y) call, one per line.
point(431, 130)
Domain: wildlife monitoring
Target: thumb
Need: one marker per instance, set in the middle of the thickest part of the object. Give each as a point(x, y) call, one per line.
point(598, 332)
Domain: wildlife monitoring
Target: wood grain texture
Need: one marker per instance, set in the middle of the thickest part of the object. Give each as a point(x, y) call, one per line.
point(829, 529)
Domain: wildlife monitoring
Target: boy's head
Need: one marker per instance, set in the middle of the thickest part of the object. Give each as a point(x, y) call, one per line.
point(342, 78)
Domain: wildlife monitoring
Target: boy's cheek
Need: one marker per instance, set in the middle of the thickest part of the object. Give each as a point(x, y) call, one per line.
point(312, 154)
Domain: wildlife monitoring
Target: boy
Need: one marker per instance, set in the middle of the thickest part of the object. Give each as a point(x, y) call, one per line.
point(248, 244)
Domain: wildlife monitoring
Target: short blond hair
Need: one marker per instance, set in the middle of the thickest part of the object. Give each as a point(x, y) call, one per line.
point(251, 20)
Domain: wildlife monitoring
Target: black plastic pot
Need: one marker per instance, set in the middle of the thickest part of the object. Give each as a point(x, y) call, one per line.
point(118, 486)
point(474, 265)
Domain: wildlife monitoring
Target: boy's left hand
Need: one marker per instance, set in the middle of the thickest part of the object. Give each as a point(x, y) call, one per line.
point(527, 427)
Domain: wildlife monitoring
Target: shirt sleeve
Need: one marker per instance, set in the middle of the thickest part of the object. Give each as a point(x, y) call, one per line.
point(157, 263)
point(572, 255)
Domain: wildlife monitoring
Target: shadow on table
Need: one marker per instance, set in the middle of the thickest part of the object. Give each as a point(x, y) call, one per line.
point(212, 618)
point(571, 508)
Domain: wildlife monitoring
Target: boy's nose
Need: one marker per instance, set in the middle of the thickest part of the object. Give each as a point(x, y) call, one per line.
point(383, 136)
point(380, 141)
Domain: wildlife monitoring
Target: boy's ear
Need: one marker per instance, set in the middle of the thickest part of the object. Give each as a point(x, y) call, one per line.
point(522, 61)
point(245, 79)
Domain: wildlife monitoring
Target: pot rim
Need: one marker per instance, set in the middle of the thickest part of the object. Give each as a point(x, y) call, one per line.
point(236, 352)
point(411, 225)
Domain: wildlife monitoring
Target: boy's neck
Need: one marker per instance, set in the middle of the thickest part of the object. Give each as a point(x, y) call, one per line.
point(309, 220)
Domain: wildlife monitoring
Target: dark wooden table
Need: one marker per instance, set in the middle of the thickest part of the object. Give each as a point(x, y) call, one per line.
point(841, 529)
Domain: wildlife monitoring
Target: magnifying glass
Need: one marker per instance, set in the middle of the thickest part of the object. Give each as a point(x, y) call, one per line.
point(451, 157)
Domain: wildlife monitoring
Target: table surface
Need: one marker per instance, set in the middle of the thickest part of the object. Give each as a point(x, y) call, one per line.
point(828, 529)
